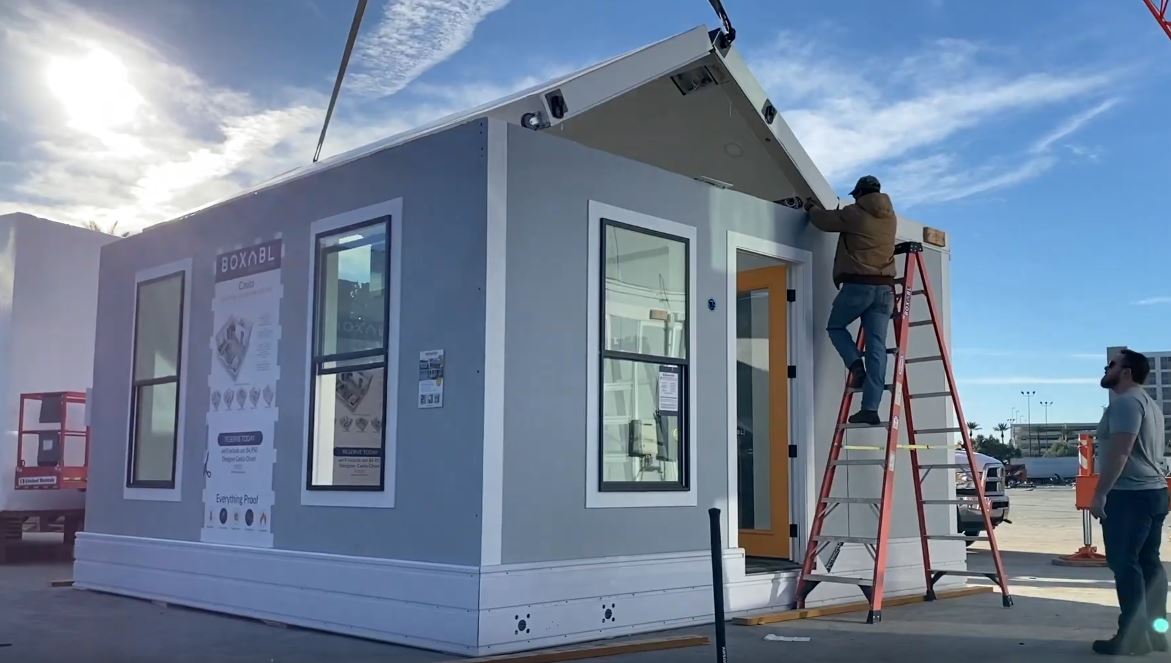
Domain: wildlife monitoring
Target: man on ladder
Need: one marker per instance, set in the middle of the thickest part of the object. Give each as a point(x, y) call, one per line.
point(864, 270)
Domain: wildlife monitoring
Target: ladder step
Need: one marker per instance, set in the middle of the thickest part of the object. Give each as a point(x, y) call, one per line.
point(882, 424)
point(858, 390)
point(845, 580)
point(921, 323)
point(943, 466)
point(862, 447)
point(829, 538)
point(920, 360)
point(955, 537)
point(850, 500)
point(931, 431)
point(867, 461)
point(966, 574)
point(932, 394)
point(956, 501)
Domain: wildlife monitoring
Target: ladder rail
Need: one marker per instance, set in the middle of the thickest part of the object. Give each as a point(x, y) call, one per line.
point(886, 506)
point(805, 586)
point(916, 478)
point(965, 432)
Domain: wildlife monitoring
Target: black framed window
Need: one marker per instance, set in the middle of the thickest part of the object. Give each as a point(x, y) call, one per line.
point(154, 395)
point(347, 439)
point(644, 355)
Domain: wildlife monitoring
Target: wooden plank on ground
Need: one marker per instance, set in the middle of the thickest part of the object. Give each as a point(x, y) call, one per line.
point(809, 613)
point(594, 651)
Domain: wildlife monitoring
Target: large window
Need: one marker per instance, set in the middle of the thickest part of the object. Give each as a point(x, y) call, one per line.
point(347, 445)
point(154, 398)
point(644, 360)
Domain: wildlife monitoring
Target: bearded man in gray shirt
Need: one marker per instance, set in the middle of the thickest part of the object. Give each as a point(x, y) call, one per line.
point(1131, 502)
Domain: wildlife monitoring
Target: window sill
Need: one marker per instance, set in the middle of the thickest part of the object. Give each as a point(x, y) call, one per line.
point(153, 494)
point(617, 500)
point(359, 499)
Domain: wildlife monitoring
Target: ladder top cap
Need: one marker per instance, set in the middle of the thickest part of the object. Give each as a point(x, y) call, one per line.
point(908, 247)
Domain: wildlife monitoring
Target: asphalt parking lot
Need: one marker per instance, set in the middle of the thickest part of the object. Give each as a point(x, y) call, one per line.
point(1058, 611)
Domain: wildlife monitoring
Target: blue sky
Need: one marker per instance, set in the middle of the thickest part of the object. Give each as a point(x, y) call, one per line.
point(1034, 133)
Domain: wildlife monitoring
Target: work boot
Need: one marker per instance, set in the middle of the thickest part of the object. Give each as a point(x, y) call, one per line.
point(857, 376)
point(865, 417)
point(1117, 647)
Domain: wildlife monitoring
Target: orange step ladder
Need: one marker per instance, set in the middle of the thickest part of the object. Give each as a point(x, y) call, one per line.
point(914, 282)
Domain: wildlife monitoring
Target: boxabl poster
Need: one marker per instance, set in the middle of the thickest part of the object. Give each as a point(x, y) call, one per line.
point(242, 408)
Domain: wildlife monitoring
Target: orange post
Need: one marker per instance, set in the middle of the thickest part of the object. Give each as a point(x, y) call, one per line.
point(1087, 483)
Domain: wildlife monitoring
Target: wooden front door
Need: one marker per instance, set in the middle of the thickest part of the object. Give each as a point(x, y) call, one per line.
point(762, 411)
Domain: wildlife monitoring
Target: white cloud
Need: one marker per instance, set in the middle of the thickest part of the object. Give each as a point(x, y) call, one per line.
point(1151, 301)
point(412, 37)
point(1007, 380)
point(855, 113)
point(1072, 125)
point(187, 141)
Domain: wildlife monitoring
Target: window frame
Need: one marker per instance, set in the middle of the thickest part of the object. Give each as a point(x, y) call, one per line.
point(656, 495)
point(389, 211)
point(152, 489)
point(377, 357)
point(639, 359)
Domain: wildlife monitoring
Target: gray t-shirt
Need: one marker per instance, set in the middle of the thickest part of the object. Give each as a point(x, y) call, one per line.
point(1136, 412)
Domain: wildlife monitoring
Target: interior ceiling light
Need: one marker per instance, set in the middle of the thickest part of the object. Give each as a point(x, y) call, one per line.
point(734, 150)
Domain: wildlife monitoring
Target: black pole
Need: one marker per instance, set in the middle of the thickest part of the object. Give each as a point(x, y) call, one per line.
point(718, 585)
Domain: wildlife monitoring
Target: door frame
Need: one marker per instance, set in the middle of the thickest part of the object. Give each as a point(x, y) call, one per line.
point(802, 482)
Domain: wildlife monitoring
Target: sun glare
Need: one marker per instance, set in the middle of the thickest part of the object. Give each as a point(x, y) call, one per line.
point(95, 90)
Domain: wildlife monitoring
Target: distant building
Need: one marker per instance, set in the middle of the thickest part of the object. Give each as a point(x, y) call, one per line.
point(1158, 383)
point(1036, 439)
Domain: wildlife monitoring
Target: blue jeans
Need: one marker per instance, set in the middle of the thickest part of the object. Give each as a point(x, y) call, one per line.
point(1132, 530)
point(874, 305)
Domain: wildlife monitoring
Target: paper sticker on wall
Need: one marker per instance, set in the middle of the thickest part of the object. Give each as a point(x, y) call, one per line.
point(242, 413)
point(431, 369)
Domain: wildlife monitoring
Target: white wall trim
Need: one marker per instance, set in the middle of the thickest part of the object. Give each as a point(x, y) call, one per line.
point(803, 481)
point(495, 290)
point(433, 606)
point(174, 494)
point(594, 497)
point(361, 498)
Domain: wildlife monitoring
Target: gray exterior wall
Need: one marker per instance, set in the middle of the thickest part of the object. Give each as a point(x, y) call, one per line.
point(442, 180)
point(550, 182)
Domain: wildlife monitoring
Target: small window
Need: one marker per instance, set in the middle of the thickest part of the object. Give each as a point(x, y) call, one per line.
point(1165, 363)
point(644, 357)
point(347, 445)
point(154, 398)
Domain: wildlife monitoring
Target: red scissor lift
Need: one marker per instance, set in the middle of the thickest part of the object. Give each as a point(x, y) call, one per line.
point(60, 440)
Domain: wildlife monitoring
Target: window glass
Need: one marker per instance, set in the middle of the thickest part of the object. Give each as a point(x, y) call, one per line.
point(352, 303)
point(154, 432)
point(156, 330)
point(646, 292)
point(154, 398)
point(347, 448)
point(644, 360)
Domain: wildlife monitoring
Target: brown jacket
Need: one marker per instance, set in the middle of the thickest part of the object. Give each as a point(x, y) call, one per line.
point(866, 245)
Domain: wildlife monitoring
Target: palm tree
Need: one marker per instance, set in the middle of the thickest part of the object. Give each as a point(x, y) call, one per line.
point(112, 229)
point(1002, 428)
point(973, 426)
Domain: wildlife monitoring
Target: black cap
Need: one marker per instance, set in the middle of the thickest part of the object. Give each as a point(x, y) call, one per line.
point(866, 184)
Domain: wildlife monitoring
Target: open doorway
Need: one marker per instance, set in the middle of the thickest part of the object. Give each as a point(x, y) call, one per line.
point(762, 410)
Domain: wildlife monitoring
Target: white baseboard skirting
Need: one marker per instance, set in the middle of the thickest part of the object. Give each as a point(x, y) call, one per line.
point(456, 609)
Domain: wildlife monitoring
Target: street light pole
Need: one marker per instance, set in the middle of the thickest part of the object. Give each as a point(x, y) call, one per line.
point(1029, 413)
point(1046, 404)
